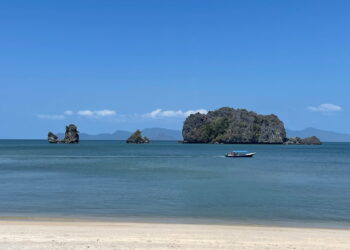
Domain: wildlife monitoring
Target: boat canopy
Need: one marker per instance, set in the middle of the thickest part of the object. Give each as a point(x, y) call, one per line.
point(240, 151)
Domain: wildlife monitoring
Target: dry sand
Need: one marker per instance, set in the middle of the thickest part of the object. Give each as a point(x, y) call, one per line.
point(121, 235)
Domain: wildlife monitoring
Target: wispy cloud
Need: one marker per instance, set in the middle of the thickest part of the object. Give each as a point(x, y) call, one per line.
point(96, 113)
point(51, 117)
point(68, 112)
point(325, 108)
point(159, 113)
point(84, 113)
point(105, 113)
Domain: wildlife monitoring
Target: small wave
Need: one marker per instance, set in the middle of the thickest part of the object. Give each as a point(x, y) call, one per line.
point(6, 160)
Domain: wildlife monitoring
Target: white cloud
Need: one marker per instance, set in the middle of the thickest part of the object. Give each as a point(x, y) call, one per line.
point(201, 111)
point(105, 112)
point(96, 113)
point(326, 107)
point(159, 113)
point(68, 112)
point(85, 113)
point(51, 117)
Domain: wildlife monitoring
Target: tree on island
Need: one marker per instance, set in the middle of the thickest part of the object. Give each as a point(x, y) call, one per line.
point(137, 138)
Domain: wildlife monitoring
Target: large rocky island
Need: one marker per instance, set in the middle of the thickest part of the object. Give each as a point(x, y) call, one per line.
point(71, 135)
point(234, 126)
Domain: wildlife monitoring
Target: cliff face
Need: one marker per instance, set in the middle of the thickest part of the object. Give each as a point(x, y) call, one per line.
point(71, 135)
point(137, 138)
point(228, 125)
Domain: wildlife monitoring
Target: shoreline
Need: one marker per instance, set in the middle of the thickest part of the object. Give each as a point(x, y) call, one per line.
point(181, 220)
point(82, 234)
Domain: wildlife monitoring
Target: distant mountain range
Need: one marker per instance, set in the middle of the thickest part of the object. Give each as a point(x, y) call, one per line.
point(161, 134)
point(325, 136)
point(164, 134)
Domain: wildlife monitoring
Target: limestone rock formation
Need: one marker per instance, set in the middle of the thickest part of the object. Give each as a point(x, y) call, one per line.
point(228, 125)
point(52, 138)
point(312, 140)
point(71, 135)
point(137, 138)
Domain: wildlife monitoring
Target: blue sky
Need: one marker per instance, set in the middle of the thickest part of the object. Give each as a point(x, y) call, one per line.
point(107, 65)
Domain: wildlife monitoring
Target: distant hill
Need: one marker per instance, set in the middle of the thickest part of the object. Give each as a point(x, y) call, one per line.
point(160, 134)
point(117, 135)
point(325, 136)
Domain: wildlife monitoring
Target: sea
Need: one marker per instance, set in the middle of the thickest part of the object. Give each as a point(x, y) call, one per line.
point(165, 181)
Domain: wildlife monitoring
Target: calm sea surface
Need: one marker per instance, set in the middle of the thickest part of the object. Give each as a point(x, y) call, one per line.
point(301, 185)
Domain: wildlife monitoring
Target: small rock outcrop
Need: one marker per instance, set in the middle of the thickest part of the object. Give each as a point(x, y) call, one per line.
point(137, 138)
point(52, 138)
point(71, 135)
point(312, 140)
point(229, 126)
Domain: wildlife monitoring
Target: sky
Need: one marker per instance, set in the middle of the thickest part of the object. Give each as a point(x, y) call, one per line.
point(124, 65)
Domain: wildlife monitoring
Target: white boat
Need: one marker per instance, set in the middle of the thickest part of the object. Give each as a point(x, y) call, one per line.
point(239, 154)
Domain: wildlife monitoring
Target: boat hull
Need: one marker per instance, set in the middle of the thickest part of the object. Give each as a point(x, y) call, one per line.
point(240, 156)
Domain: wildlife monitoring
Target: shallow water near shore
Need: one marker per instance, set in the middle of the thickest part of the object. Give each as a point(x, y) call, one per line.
point(285, 185)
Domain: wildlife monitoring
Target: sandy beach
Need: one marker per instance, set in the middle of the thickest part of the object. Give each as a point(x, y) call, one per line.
point(16, 234)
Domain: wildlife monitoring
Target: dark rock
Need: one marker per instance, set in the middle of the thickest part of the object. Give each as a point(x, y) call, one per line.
point(137, 138)
point(52, 138)
point(312, 140)
point(294, 141)
point(71, 135)
point(228, 125)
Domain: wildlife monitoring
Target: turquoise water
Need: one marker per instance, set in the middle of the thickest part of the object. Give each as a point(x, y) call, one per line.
point(109, 179)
